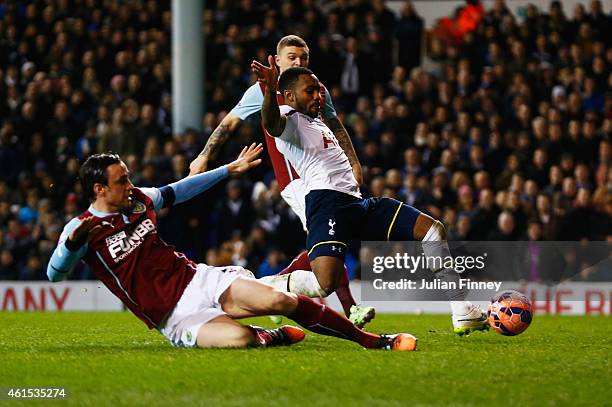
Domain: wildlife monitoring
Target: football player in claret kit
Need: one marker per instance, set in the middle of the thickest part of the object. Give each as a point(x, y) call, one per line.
point(190, 304)
point(292, 51)
point(335, 210)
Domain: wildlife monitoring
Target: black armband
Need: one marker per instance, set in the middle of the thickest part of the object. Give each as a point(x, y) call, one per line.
point(168, 196)
point(59, 270)
point(73, 246)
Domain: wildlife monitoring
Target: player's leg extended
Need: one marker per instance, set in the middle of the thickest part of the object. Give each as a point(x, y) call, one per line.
point(410, 224)
point(466, 317)
point(250, 298)
point(247, 298)
point(323, 320)
point(202, 299)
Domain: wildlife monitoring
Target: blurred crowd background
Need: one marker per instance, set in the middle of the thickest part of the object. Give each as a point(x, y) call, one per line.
point(496, 124)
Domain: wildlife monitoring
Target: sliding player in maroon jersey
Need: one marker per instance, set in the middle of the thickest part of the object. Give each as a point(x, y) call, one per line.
point(190, 304)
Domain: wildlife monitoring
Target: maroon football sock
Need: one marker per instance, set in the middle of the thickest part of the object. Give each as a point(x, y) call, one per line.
point(325, 321)
point(344, 293)
point(300, 262)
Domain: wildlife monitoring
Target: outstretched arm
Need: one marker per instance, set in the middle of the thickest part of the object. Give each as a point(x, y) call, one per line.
point(218, 137)
point(190, 186)
point(271, 117)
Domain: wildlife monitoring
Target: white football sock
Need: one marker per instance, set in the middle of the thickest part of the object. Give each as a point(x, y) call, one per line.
point(305, 282)
point(435, 245)
point(298, 282)
point(460, 307)
point(276, 281)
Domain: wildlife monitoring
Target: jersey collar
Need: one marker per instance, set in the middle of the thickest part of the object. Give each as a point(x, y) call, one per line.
point(99, 214)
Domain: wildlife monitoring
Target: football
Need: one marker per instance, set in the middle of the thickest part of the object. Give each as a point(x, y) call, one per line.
point(510, 313)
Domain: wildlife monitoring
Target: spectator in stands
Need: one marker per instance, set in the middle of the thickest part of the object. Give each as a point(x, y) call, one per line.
point(234, 214)
point(409, 35)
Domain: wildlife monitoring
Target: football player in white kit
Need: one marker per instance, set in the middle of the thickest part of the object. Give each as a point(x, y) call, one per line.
point(335, 211)
point(292, 51)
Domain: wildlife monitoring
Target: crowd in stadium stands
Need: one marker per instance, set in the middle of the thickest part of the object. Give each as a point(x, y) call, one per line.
point(502, 132)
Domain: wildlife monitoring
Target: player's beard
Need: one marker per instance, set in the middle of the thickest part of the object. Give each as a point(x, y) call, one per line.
point(308, 107)
point(314, 111)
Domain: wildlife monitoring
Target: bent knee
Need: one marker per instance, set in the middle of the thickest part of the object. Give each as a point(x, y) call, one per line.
point(328, 273)
point(436, 232)
point(441, 229)
point(329, 281)
point(327, 287)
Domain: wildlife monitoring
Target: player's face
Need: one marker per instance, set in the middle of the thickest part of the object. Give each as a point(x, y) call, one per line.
point(305, 96)
point(292, 57)
point(117, 194)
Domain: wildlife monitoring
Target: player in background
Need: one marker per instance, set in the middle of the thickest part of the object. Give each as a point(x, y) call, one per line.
point(335, 211)
point(292, 51)
point(190, 304)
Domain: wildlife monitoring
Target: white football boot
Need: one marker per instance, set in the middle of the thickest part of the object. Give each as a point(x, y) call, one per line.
point(474, 320)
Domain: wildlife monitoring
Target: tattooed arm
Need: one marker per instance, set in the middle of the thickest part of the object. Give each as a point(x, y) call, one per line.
point(347, 146)
point(218, 137)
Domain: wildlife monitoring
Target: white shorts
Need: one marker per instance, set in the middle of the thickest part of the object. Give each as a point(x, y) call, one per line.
point(295, 196)
point(199, 303)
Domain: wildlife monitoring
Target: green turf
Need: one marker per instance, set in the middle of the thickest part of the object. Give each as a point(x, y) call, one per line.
point(111, 359)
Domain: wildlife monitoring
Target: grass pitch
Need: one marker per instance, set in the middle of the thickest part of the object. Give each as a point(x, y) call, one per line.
point(112, 359)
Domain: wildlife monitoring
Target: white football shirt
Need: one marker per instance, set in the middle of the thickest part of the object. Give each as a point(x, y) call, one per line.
point(313, 150)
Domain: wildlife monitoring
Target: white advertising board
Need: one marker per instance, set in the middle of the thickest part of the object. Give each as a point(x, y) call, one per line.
point(571, 298)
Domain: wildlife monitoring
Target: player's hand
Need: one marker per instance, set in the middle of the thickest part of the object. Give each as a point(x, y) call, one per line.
point(84, 231)
point(267, 75)
point(198, 165)
point(358, 173)
point(246, 160)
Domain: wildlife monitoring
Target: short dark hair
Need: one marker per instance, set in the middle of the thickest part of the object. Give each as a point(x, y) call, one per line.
point(93, 171)
point(288, 78)
point(290, 41)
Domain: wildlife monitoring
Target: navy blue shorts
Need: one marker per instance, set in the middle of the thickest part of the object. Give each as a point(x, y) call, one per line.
point(334, 218)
